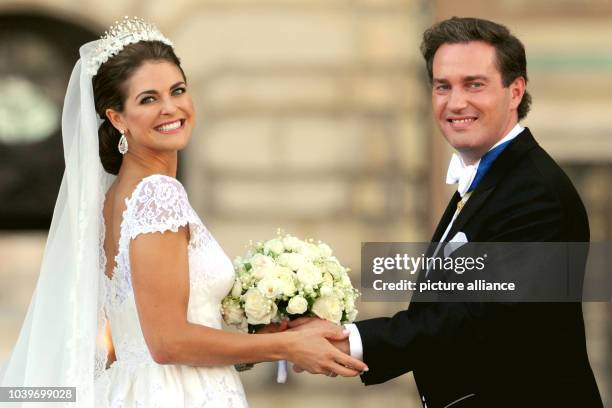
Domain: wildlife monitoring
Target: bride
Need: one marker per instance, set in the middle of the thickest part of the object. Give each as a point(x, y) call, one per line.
point(130, 248)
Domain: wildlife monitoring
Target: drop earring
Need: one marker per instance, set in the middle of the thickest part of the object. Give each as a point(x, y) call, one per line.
point(123, 144)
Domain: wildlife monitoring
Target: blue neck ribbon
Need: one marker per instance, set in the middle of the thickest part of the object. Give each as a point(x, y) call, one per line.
point(485, 164)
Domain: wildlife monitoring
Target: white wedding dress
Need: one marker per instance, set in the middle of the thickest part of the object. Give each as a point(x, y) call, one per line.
point(159, 203)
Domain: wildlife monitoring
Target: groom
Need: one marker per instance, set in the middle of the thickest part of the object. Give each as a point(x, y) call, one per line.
point(509, 190)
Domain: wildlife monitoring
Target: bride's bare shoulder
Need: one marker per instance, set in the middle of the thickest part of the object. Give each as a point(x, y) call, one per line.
point(121, 190)
point(114, 203)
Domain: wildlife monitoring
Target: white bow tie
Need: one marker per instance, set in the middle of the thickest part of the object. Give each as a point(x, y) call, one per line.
point(460, 173)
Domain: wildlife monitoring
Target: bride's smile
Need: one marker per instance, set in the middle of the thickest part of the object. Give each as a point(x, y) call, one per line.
point(173, 127)
point(157, 106)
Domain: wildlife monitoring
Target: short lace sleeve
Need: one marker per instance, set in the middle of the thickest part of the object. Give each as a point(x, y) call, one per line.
point(159, 204)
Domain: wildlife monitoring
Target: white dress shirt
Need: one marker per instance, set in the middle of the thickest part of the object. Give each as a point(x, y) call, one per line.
point(463, 175)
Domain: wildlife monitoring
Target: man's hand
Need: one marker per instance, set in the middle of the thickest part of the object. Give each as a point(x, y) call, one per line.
point(313, 351)
point(274, 327)
point(313, 323)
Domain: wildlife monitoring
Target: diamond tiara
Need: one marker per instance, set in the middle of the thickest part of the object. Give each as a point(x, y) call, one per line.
point(122, 33)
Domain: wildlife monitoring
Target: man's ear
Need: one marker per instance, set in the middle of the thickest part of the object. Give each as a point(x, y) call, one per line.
point(517, 90)
point(116, 119)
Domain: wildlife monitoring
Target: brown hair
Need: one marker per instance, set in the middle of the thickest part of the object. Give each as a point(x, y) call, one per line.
point(509, 51)
point(110, 91)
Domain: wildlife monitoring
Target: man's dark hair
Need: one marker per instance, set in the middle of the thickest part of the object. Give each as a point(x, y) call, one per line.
point(509, 51)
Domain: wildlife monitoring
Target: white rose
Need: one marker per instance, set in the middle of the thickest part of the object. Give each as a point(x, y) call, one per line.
point(260, 261)
point(334, 268)
point(237, 288)
point(297, 305)
point(326, 290)
point(259, 310)
point(338, 292)
point(286, 280)
point(292, 243)
point(309, 275)
point(277, 280)
point(325, 250)
point(328, 308)
point(233, 314)
point(273, 246)
point(292, 260)
point(261, 272)
point(269, 287)
point(309, 250)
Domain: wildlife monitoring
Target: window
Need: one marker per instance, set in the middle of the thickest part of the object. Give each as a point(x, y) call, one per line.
point(37, 54)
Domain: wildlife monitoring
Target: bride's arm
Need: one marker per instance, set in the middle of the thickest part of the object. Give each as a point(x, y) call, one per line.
point(160, 278)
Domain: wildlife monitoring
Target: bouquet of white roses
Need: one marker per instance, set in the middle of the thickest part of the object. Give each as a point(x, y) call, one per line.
point(288, 277)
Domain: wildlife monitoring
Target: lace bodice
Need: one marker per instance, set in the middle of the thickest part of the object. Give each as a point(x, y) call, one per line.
point(159, 204)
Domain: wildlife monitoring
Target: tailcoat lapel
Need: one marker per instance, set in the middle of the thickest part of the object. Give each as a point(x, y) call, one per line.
point(518, 147)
